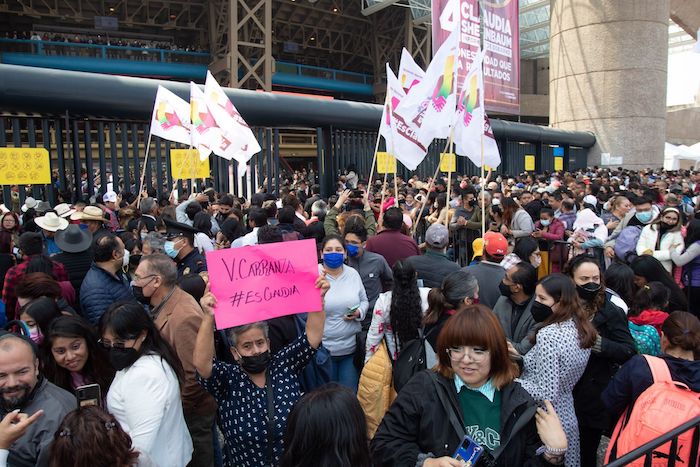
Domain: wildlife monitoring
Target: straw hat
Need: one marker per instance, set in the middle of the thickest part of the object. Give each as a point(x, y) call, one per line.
point(51, 222)
point(64, 210)
point(90, 213)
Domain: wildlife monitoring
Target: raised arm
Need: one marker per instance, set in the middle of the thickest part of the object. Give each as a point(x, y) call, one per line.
point(315, 321)
point(204, 345)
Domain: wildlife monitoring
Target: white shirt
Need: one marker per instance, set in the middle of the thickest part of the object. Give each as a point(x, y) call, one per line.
point(145, 399)
point(203, 243)
point(248, 239)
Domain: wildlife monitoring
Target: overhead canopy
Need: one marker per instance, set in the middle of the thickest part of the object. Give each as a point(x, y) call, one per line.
point(681, 156)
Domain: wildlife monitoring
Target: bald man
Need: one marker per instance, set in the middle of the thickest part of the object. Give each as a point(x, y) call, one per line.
point(22, 387)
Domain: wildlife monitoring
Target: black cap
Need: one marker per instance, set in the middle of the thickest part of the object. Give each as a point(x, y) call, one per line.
point(174, 229)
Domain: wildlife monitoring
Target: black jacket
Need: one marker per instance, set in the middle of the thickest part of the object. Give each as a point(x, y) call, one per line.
point(617, 347)
point(426, 419)
point(635, 377)
point(77, 265)
point(433, 267)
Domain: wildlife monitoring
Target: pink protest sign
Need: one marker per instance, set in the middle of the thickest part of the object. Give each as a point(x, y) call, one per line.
point(256, 283)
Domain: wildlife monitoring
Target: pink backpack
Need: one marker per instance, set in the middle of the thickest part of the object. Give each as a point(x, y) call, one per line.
point(663, 406)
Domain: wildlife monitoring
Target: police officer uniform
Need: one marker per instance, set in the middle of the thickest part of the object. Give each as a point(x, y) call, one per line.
point(193, 262)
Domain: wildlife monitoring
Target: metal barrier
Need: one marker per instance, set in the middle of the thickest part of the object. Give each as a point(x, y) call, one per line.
point(647, 450)
point(85, 152)
point(461, 241)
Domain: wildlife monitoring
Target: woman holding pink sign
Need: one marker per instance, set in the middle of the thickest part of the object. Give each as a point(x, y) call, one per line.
point(345, 306)
point(256, 394)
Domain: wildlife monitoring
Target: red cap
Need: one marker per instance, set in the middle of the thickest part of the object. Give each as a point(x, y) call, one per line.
point(495, 244)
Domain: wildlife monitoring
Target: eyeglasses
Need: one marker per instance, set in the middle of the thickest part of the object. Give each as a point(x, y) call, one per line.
point(477, 354)
point(140, 278)
point(120, 344)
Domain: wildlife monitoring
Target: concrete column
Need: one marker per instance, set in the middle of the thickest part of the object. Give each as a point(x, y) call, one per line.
point(608, 61)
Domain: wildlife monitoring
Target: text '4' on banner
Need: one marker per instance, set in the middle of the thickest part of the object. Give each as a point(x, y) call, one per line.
point(261, 282)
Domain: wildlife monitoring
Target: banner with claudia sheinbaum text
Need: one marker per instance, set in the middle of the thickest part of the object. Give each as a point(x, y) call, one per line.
point(501, 43)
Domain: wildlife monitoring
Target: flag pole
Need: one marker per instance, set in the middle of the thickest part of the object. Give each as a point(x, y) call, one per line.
point(376, 148)
point(143, 172)
point(381, 206)
point(483, 190)
point(449, 180)
point(430, 185)
point(396, 189)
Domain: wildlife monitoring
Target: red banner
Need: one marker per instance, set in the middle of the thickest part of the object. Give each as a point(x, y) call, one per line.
point(501, 41)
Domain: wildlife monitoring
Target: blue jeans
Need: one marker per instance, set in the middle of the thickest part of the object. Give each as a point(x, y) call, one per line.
point(344, 372)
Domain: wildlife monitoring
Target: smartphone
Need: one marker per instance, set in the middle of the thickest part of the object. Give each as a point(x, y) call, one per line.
point(89, 395)
point(351, 310)
point(468, 452)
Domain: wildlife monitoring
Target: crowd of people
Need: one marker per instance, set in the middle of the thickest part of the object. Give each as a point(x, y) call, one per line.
point(99, 39)
point(531, 303)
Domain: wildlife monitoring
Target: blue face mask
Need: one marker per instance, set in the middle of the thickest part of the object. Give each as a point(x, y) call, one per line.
point(169, 248)
point(333, 260)
point(353, 250)
point(545, 222)
point(644, 217)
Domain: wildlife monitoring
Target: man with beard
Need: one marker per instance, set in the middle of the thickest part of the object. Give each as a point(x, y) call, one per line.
point(22, 387)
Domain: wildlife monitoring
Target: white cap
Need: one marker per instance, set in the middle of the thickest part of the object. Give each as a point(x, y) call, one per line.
point(109, 197)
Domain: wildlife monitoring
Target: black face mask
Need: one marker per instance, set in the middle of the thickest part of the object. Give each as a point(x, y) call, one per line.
point(121, 358)
point(472, 203)
point(505, 290)
point(540, 312)
point(256, 364)
point(588, 291)
point(139, 296)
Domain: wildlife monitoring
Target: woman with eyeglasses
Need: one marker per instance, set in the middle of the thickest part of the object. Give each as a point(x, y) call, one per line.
point(470, 397)
point(145, 394)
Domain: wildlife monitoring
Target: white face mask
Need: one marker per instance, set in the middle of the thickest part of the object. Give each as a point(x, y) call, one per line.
point(125, 258)
point(537, 261)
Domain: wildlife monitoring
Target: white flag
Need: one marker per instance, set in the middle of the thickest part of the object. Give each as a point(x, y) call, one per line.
point(472, 126)
point(401, 137)
point(238, 141)
point(206, 135)
point(469, 124)
point(171, 117)
point(492, 156)
point(410, 74)
point(430, 104)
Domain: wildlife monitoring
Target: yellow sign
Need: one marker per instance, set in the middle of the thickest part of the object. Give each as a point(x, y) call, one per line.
point(558, 163)
point(529, 162)
point(22, 166)
point(386, 163)
point(448, 162)
point(185, 164)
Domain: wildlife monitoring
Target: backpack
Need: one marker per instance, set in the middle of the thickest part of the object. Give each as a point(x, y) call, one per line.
point(646, 339)
point(626, 243)
point(319, 370)
point(663, 406)
point(415, 356)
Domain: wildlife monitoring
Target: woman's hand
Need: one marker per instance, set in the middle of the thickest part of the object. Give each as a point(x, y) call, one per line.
point(512, 351)
point(353, 316)
point(321, 283)
point(208, 301)
point(549, 427)
point(443, 462)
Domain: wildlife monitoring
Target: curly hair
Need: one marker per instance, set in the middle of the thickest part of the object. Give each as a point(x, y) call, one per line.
point(406, 310)
point(91, 437)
